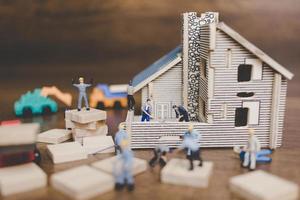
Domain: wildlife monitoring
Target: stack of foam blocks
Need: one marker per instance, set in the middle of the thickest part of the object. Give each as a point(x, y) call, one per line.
point(86, 123)
point(17, 151)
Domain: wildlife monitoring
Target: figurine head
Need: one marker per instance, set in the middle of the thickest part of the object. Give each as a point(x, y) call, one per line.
point(251, 131)
point(191, 127)
point(121, 126)
point(130, 83)
point(148, 101)
point(174, 107)
point(81, 80)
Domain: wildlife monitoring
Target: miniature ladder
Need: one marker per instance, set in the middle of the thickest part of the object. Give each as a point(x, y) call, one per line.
point(129, 120)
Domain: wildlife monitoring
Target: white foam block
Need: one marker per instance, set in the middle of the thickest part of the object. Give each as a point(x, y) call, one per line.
point(90, 126)
point(106, 165)
point(55, 136)
point(101, 130)
point(19, 134)
point(21, 178)
point(82, 182)
point(260, 185)
point(177, 172)
point(102, 144)
point(85, 116)
point(65, 152)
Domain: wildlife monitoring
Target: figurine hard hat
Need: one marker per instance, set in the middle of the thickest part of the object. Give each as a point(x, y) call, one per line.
point(122, 126)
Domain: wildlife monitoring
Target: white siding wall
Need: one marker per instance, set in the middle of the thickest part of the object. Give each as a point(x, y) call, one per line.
point(167, 88)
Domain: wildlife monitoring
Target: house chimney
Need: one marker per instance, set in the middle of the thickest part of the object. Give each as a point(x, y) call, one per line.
point(191, 58)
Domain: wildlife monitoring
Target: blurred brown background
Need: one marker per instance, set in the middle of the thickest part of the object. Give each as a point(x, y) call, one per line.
point(48, 42)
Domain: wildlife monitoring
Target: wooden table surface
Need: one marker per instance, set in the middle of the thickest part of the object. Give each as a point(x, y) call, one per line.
point(119, 39)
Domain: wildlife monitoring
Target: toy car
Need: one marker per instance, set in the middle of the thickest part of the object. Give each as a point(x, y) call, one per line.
point(33, 103)
point(113, 96)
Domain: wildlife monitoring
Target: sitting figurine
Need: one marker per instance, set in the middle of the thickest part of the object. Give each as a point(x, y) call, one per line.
point(191, 146)
point(146, 111)
point(159, 156)
point(124, 166)
point(261, 156)
point(181, 113)
point(251, 149)
point(119, 136)
point(82, 92)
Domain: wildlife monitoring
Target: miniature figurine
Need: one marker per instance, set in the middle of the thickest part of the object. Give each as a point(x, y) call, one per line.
point(191, 146)
point(82, 92)
point(159, 156)
point(119, 136)
point(123, 169)
point(147, 109)
point(261, 156)
point(253, 146)
point(181, 113)
point(130, 98)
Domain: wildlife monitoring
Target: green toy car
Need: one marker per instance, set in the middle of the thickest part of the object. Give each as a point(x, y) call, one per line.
point(33, 103)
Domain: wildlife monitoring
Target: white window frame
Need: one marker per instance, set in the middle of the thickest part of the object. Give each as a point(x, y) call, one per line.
point(253, 112)
point(168, 110)
point(256, 73)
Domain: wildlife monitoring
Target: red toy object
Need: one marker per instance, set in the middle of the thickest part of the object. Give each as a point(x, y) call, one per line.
point(16, 158)
point(10, 122)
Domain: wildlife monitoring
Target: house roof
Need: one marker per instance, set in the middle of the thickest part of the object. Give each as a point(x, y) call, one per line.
point(256, 51)
point(157, 68)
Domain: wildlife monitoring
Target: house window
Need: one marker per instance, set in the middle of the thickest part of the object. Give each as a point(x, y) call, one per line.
point(203, 68)
point(253, 114)
point(244, 72)
point(241, 117)
point(245, 94)
point(202, 109)
point(256, 68)
point(162, 110)
point(229, 58)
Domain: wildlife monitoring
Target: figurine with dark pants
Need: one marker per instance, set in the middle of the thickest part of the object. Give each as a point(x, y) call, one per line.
point(251, 149)
point(119, 136)
point(124, 166)
point(181, 113)
point(130, 99)
point(191, 146)
point(146, 109)
point(159, 156)
point(82, 93)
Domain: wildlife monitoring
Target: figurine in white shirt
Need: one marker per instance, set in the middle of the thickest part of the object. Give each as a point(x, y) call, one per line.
point(252, 147)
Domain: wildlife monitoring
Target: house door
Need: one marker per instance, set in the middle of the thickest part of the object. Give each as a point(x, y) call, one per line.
point(162, 110)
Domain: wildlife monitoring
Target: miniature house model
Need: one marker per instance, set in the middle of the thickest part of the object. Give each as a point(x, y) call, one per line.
point(225, 82)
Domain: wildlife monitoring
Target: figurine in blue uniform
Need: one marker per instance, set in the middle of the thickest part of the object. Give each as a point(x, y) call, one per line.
point(160, 153)
point(191, 146)
point(124, 167)
point(119, 136)
point(82, 92)
point(147, 109)
point(181, 113)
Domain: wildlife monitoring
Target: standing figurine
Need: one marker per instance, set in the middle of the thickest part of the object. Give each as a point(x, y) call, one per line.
point(251, 149)
point(119, 136)
point(82, 92)
point(130, 98)
point(147, 109)
point(159, 156)
point(181, 113)
point(191, 146)
point(124, 167)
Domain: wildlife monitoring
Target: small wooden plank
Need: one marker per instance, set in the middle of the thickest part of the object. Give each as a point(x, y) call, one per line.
point(177, 172)
point(21, 178)
point(260, 185)
point(85, 116)
point(54, 136)
point(101, 130)
point(19, 134)
point(82, 182)
point(99, 144)
point(66, 152)
point(106, 165)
